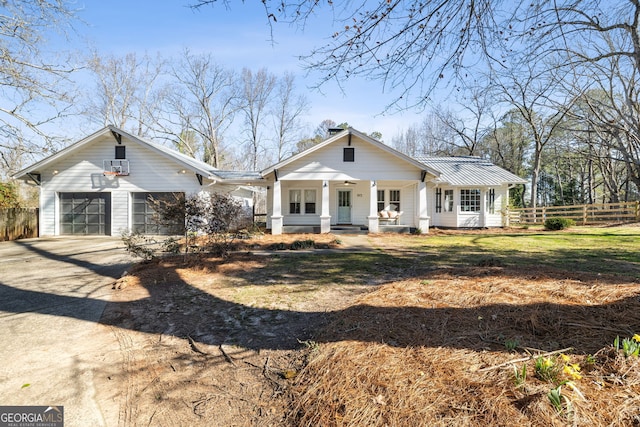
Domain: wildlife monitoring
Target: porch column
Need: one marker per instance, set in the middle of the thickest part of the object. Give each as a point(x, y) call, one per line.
point(325, 217)
point(276, 214)
point(423, 213)
point(373, 208)
point(483, 207)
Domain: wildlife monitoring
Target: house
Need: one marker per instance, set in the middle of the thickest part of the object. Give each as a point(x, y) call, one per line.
point(101, 184)
point(352, 179)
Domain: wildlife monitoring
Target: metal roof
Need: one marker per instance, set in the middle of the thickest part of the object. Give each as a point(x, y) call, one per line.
point(469, 171)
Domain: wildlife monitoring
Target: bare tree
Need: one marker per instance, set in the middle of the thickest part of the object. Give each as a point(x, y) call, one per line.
point(508, 142)
point(287, 110)
point(534, 99)
point(33, 82)
point(430, 137)
point(256, 91)
point(203, 100)
point(126, 93)
point(468, 127)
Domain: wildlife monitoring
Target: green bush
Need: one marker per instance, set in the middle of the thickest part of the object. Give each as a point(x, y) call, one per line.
point(558, 223)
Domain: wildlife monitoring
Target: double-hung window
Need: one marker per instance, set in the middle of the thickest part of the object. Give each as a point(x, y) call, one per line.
point(299, 206)
point(470, 200)
point(394, 200)
point(294, 201)
point(381, 204)
point(309, 201)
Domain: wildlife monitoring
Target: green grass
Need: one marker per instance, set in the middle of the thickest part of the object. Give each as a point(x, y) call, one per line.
point(611, 251)
point(593, 250)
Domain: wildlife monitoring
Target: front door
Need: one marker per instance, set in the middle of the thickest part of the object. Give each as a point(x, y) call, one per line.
point(344, 206)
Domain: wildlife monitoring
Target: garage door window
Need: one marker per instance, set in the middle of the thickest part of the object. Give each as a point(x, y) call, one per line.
point(85, 213)
point(145, 218)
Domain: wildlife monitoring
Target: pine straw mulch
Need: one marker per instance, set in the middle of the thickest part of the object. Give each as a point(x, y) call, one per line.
point(434, 351)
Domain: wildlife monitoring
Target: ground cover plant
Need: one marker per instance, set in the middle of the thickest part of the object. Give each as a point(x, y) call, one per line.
point(475, 328)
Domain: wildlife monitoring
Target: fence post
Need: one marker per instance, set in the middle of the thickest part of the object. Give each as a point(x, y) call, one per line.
point(584, 215)
point(637, 210)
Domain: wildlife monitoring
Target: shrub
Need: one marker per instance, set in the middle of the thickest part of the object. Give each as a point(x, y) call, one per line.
point(9, 195)
point(558, 223)
point(139, 245)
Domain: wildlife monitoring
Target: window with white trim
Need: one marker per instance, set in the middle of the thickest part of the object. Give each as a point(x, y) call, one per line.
point(381, 204)
point(438, 200)
point(299, 206)
point(470, 200)
point(294, 201)
point(448, 200)
point(309, 201)
point(394, 200)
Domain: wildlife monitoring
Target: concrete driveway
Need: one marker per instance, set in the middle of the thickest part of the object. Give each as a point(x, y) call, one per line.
point(52, 294)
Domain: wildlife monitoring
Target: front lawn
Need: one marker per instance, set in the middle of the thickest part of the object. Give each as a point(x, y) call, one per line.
point(502, 327)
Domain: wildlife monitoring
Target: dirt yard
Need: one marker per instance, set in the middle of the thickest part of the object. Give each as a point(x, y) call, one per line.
point(329, 338)
point(216, 342)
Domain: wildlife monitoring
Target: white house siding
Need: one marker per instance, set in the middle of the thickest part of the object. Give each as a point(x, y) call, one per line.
point(458, 218)
point(48, 209)
point(443, 219)
point(359, 201)
point(370, 164)
point(81, 171)
point(408, 199)
point(501, 200)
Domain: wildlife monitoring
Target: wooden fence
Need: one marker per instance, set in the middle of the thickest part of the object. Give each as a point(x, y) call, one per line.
point(18, 223)
point(602, 213)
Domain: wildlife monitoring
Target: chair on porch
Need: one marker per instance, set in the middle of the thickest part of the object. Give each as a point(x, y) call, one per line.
point(389, 216)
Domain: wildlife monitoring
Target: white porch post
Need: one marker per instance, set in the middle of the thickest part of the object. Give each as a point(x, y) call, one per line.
point(325, 216)
point(483, 207)
point(276, 215)
point(423, 213)
point(373, 208)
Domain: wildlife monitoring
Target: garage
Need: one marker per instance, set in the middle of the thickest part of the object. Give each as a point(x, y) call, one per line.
point(145, 218)
point(85, 213)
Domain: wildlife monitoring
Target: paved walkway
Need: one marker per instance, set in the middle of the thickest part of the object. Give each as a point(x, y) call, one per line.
point(52, 294)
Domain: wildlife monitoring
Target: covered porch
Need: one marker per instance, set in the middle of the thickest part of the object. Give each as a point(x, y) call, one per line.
point(347, 206)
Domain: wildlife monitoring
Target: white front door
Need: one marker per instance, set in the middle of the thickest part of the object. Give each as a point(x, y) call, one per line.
point(344, 206)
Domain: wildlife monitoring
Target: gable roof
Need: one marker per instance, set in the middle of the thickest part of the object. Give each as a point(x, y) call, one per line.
point(469, 171)
point(185, 161)
point(364, 137)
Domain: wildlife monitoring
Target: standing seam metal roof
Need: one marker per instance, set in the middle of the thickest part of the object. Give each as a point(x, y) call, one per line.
point(469, 171)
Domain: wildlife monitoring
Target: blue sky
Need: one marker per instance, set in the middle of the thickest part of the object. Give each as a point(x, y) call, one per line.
point(237, 38)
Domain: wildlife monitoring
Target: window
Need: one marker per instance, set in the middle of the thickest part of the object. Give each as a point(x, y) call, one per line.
point(381, 204)
point(438, 200)
point(309, 201)
point(448, 200)
point(349, 154)
point(121, 152)
point(394, 200)
point(294, 201)
point(491, 201)
point(299, 206)
point(470, 200)
point(146, 220)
